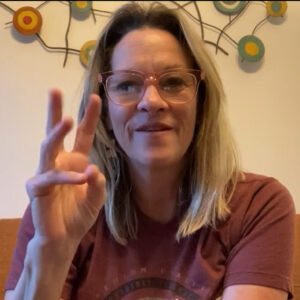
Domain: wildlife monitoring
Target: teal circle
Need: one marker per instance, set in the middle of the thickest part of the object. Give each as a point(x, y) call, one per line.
point(78, 9)
point(239, 5)
point(276, 6)
point(244, 55)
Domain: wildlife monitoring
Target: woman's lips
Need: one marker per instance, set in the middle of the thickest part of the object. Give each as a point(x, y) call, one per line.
point(153, 127)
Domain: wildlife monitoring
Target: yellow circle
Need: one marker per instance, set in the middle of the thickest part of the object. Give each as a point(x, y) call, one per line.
point(86, 51)
point(251, 48)
point(27, 14)
point(81, 4)
point(278, 13)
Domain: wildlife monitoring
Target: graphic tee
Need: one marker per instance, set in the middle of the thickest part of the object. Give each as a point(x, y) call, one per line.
point(254, 245)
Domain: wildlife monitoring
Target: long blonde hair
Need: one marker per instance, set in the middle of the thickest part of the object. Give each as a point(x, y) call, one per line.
point(213, 168)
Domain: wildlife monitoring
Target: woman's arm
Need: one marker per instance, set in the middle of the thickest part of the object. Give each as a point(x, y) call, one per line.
point(250, 292)
point(66, 195)
point(45, 271)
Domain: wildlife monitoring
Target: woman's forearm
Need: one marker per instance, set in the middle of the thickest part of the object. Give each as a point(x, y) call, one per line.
point(45, 270)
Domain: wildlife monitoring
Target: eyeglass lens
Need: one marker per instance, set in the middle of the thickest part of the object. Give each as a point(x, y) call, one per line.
point(123, 87)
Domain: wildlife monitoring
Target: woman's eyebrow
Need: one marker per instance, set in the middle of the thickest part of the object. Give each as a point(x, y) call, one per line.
point(172, 66)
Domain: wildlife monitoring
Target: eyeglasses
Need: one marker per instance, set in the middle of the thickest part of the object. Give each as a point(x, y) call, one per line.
point(127, 87)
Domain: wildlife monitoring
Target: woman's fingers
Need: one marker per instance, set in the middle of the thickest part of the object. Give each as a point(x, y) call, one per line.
point(96, 191)
point(42, 184)
point(86, 129)
point(53, 144)
point(54, 112)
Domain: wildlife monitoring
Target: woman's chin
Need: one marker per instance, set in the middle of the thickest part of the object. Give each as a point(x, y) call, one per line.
point(156, 160)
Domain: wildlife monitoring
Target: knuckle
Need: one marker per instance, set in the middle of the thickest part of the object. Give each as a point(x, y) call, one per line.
point(31, 186)
point(39, 185)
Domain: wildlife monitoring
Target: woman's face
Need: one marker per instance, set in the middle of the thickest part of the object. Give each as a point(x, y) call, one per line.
point(153, 132)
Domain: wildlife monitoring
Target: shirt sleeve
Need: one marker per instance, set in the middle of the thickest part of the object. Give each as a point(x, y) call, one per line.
point(25, 234)
point(263, 255)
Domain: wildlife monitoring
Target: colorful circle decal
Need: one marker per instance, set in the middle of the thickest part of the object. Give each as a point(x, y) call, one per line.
point(81, 6)
point(86, 51)
point(230, 7)
point(27, 20)
point(276, 8)
point(251, 48)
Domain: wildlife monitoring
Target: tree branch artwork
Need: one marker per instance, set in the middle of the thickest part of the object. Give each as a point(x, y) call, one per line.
point(28, 20)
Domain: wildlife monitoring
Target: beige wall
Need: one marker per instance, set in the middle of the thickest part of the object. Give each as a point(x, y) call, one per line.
point(263, 106)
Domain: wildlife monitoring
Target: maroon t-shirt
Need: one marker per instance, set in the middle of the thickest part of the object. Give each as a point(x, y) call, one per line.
point(253, 246)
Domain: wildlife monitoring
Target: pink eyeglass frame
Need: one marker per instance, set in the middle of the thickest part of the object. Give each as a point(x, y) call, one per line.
point(149, 78)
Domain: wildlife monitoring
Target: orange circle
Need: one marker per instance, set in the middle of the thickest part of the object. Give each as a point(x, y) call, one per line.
point(81, 4)
point(27, 20)
point(33, 20)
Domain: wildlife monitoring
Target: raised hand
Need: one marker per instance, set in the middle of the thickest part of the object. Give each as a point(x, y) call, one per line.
point(67, 192)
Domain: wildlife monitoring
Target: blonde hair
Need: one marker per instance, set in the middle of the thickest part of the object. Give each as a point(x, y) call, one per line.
point(213, 168)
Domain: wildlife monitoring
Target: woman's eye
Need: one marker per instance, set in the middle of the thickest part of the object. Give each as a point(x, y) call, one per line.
point(127, 87)
point(173, 83)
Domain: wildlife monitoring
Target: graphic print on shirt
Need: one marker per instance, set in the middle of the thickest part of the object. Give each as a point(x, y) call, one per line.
point(155, 287)
point(143, 286)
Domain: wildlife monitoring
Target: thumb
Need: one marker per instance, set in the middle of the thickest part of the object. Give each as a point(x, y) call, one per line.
point(96, 190)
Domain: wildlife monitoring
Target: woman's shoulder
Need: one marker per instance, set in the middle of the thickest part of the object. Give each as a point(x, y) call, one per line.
point(259, 204)
point(256, 192)
point(256, 179)
point(254, 183)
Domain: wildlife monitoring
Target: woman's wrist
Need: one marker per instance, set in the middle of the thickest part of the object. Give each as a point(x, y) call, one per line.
point(54, 250)
point(46, 267)
point(53, 257)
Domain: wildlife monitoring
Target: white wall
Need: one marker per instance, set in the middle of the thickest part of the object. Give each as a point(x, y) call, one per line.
point(263, 105)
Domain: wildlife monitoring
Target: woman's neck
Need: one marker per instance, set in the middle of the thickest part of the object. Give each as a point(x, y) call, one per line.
point(155, 191)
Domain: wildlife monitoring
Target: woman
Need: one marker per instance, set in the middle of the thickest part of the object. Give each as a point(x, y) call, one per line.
point(179, 218)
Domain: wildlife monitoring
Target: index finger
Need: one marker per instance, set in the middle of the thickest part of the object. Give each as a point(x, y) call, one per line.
point(86, 129)
point(54, 111)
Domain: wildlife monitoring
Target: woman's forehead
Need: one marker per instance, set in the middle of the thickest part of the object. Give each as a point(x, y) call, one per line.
point(149, 48)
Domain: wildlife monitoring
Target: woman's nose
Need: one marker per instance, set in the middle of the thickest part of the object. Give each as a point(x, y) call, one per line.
point(151, 100)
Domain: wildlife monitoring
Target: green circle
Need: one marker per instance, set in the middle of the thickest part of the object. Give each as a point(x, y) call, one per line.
point(276, 6)
point(244, 55)
point(230, 10)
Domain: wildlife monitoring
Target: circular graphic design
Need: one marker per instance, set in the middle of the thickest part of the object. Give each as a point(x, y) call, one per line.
point(160, 289)
point(276, 8)
point(27, 20)
point(251, 48)
point(230, 7)
point(85, 51)
point(81, 6)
